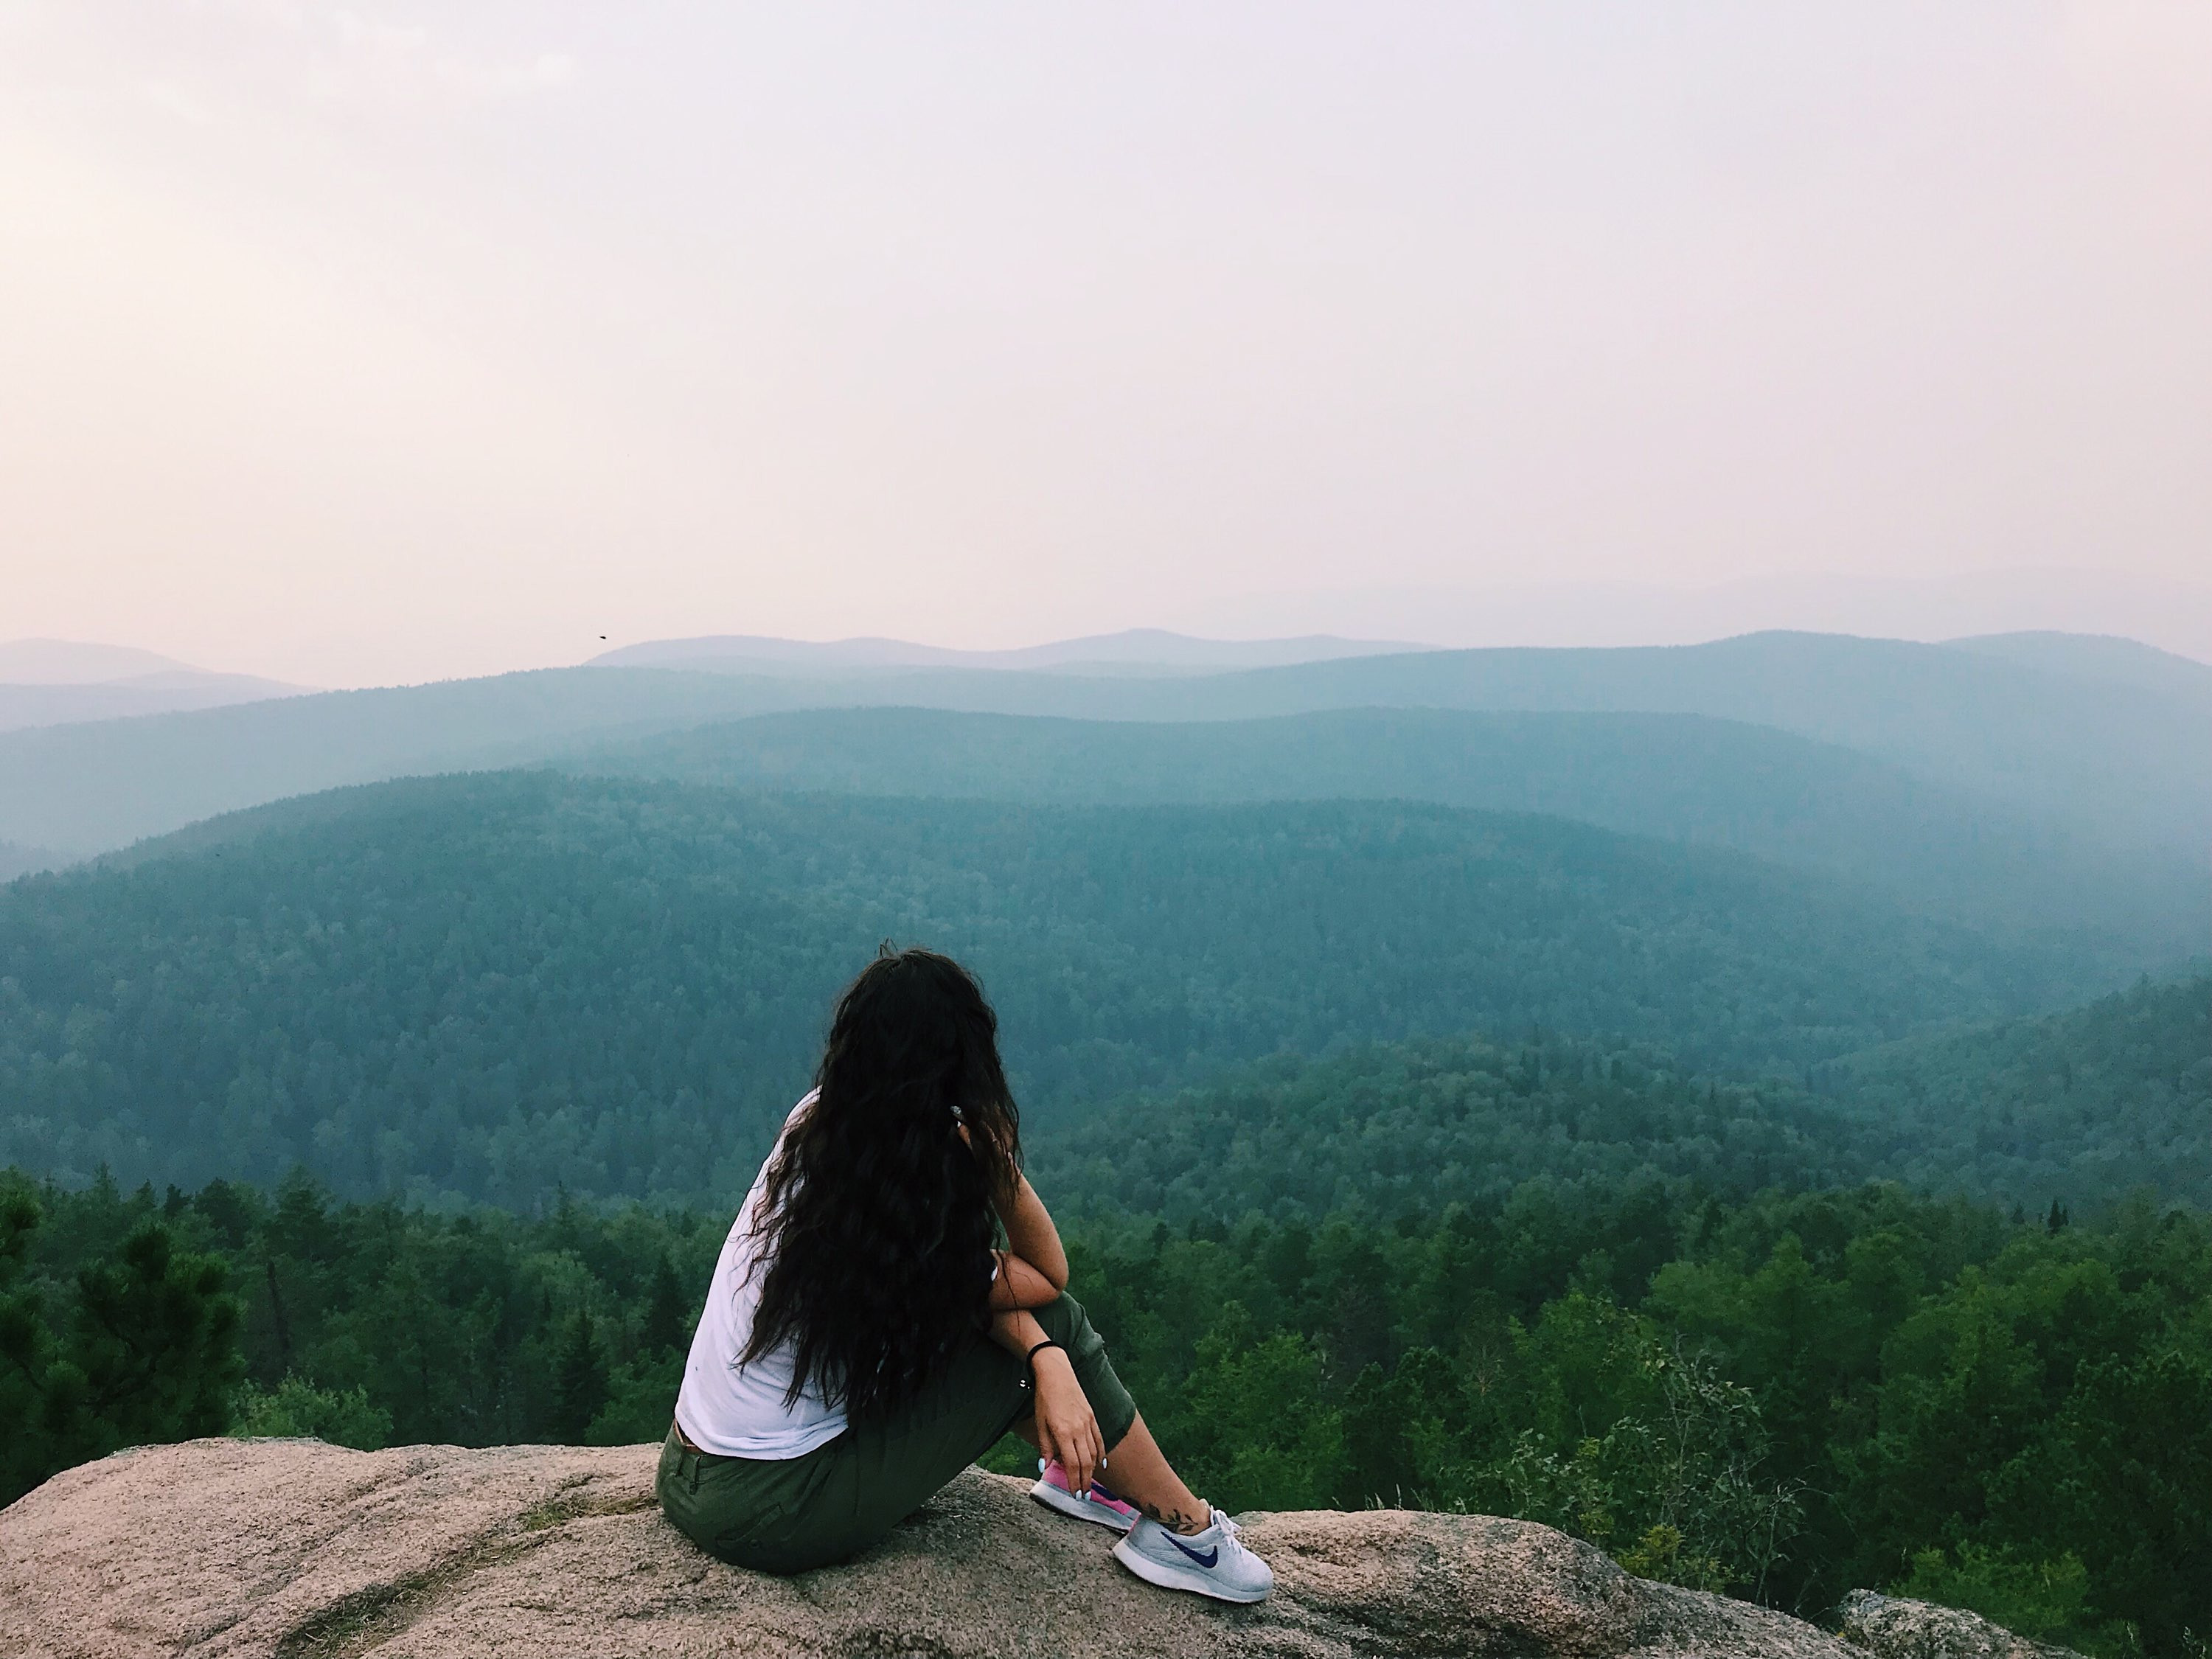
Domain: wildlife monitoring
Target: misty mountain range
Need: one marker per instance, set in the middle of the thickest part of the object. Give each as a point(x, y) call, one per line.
point(2173, 615)
point(2091, 737)
point(1136, 650)
point(634, 884)
point(63, 682)
point(501, 982)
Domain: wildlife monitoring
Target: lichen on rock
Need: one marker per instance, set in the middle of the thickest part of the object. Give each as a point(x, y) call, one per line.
point(1897, 1628)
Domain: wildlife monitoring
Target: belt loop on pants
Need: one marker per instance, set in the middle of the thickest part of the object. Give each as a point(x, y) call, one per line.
point(689, 1454)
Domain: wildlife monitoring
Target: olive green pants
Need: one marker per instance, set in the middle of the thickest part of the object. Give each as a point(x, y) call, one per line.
point(787, 1514)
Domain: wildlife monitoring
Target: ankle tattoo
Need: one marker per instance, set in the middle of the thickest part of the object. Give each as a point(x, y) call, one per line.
point(1174, 1518)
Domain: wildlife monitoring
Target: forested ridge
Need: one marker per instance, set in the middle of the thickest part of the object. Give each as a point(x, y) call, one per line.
point(2092, 1103)
point(2083, 1108)
point(1680, 777)
point(1386, 1129)
point(485, 986)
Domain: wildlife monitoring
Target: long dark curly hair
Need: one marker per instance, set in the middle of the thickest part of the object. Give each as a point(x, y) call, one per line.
point(877, 1220)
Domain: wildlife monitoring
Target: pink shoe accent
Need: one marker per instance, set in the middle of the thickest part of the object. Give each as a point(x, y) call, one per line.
point(1098, 1506)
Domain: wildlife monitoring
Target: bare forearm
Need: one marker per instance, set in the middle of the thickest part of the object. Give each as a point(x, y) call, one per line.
point(1020, 1285)
point(1067, 1429)
point(1031, 1236)
point(1016, 1330)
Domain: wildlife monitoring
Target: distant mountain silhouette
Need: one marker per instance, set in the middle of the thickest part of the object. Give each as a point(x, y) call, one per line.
point(1134, 649)
point(63, 682)
point(2175, 615)
point(24, 705)
point(79, 662)
point(2097, 656)
point(2084, 756)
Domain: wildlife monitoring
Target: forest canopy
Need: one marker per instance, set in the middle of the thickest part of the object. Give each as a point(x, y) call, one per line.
point(484, 987)
point(2085, 1107)
point(1783, 1397)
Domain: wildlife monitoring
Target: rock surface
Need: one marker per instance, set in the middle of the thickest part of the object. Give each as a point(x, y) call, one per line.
point(1900, 1629)
point(296, 1549)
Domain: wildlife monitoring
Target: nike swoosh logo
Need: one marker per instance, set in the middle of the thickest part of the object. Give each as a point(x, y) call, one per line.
point(1211, 1558)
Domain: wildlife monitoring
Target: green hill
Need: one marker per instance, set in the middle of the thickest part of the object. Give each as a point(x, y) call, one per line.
point(2123, 762)
point(491, 985)
point(1390, 1129)
point(2081, 1107)
point(1678, 777)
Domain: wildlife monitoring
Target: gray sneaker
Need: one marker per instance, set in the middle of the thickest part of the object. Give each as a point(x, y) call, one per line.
point(1212, 1563)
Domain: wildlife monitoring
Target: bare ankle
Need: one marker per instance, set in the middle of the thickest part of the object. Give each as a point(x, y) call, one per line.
point(1176, 1517)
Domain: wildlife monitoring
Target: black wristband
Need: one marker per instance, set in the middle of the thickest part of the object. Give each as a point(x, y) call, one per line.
point(1031, 1355)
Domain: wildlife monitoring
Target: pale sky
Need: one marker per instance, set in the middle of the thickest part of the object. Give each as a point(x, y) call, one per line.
point(359, 343)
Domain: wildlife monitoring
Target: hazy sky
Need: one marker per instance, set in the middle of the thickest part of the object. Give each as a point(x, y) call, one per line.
point(350, 343)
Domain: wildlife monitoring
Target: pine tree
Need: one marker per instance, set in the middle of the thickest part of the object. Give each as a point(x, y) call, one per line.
point(580, 1382)
point(27, 1342)
point(150, 1354)
point(667, 1322)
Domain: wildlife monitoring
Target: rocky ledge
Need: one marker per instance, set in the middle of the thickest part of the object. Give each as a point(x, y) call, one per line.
point(292, 1548)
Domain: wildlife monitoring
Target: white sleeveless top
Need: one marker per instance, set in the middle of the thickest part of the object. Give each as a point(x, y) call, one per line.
point(738, 1411)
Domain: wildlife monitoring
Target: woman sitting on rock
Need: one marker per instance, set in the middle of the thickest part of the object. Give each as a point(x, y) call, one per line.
point(864, 1342)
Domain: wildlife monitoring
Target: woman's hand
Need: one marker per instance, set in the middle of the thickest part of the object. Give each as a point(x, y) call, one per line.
point(1067, 1429)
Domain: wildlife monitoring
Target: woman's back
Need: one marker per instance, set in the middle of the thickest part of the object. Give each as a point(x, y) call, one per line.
point(735, 1409)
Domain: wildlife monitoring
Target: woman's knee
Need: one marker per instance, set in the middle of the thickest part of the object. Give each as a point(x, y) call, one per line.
point(1066, 1323)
